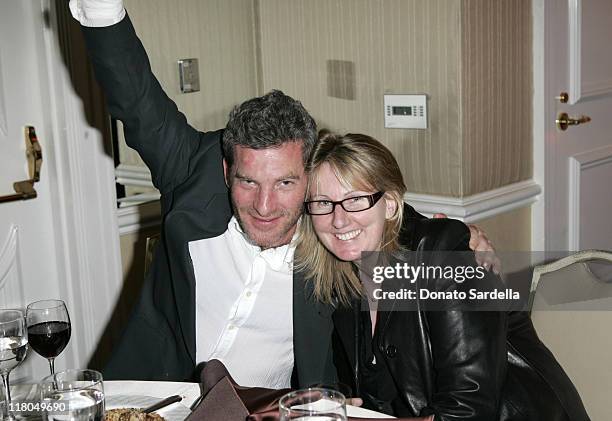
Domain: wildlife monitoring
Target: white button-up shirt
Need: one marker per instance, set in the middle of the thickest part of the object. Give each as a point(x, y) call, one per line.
point(244, 307)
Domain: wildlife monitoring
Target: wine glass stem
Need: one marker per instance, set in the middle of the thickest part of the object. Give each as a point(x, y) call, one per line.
point(52, 365)
point(7, 393)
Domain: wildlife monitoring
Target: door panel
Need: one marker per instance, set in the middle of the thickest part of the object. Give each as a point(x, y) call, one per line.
point(28, 254)
point(578, 168)
point(590, 25)
point(578, 60)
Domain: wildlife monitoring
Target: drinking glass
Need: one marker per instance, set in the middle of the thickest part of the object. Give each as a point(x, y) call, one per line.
point(73, 395)
point(13, 348)
point(313, 404)
point(48, 328)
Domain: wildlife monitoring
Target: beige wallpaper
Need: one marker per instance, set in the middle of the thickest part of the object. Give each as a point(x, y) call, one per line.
point(472, 58)
point(496, 93)
point(397, 46)
point(220, 34)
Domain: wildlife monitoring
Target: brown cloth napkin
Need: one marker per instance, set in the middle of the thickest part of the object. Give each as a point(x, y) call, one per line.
point(225, 400)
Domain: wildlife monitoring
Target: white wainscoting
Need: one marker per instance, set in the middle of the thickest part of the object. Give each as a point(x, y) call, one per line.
point(478, 206)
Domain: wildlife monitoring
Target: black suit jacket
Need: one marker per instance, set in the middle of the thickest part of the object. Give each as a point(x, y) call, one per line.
point(159, 341)
point(475, 365)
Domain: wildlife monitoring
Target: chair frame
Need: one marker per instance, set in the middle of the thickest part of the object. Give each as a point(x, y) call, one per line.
point(579, 257)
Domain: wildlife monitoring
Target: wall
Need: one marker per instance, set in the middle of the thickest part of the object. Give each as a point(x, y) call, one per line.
point(496, 93)
point(510, 231)
point(472, 58)
point(496, 104)
point(220, 34)
point(397, 46)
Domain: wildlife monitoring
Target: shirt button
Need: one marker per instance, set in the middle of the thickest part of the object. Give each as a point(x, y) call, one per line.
point(391, 351)
point(232, 327)
point(248, 294)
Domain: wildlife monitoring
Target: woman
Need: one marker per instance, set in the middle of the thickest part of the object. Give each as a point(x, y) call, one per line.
point(438, 365)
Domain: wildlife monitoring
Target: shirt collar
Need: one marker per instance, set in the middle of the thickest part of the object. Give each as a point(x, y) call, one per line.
point(279, 258)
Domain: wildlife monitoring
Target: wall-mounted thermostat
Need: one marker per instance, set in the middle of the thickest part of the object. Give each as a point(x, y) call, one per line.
point(406, 111)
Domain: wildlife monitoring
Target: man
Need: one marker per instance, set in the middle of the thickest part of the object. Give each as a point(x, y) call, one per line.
point(220, 286)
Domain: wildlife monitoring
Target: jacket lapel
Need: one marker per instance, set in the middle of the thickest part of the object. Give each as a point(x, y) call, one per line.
point(345, 325)
point(312, 331)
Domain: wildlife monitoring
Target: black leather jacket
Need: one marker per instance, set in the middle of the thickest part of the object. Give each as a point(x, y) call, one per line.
point(460, 364)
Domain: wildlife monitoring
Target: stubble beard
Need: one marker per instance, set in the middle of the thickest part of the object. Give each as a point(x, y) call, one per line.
point(279, 237)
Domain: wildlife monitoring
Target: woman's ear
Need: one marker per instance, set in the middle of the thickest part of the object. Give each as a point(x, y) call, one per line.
point(391, 205)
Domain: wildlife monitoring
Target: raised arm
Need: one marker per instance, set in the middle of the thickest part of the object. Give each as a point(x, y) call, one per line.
point(153, 126)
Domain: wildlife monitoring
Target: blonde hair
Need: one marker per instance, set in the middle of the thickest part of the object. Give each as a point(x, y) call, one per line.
point(361, 162)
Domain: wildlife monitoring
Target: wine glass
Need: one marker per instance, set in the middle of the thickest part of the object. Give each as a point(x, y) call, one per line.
point(13, 348)
point(313, 404)
point(48, 328)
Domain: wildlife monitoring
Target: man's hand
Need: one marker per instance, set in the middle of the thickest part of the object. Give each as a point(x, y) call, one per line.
point(482, 247)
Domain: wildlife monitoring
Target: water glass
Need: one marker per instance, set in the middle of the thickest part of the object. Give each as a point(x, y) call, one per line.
point(313, 404)
point(73, 395)
point(13, 349)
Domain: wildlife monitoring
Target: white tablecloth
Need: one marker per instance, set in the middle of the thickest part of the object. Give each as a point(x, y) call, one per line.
point(189, 391)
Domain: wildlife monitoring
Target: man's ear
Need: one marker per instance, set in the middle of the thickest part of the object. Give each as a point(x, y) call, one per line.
point(226, 174)
point(391, 205)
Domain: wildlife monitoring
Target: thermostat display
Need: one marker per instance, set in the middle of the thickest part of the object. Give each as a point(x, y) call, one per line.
point(401, 110)
point(405, 111)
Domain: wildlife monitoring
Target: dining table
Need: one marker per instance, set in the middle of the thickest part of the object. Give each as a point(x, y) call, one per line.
point(140, 394)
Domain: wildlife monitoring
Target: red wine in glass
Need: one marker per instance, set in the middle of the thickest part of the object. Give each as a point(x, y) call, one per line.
point(49, 339)
point(48, 328)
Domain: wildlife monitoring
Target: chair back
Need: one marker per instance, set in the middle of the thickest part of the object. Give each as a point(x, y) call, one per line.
point(571, 309)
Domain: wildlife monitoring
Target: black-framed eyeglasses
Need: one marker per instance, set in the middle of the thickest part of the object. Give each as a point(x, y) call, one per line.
point(351, 204)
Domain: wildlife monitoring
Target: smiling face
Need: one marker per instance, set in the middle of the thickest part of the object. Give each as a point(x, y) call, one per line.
point(267, 191)
point(348, 234)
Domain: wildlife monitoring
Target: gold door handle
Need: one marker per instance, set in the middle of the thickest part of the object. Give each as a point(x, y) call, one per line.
point(25, 189)
point(563, 121)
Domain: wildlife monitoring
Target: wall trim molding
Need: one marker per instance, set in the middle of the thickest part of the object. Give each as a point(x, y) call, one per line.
point(478, 206)
point(575, 22)
point(3, 120)
point(133, 175)
point(135, 218)
point(578, 163)
point(8, 257)
point(539, 110)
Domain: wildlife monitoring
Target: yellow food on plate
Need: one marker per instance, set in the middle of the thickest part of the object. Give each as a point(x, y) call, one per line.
point(130, 414)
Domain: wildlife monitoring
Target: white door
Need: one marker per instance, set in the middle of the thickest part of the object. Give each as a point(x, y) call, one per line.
point(28, 267)
point(57, 244)
point(575, 39)
point(578, 167)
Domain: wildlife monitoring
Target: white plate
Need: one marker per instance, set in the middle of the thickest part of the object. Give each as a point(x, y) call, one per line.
point(175, 412)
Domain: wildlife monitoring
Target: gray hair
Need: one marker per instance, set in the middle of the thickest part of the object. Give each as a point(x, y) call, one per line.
point(269, 121)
